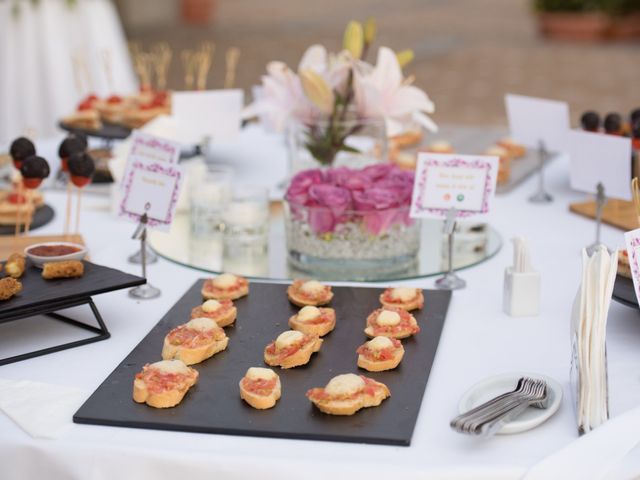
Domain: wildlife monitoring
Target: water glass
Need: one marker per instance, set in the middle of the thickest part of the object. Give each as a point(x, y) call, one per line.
point(209, 195)
point(246, 221)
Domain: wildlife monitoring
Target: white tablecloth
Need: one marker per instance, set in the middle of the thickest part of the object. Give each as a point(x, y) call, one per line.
point(37, 85)
point(478, 341)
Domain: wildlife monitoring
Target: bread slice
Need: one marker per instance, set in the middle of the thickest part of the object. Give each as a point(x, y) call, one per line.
point(309, 292)
point(314, 321)
point(194, 352)
point(163, 384)
point(290, 341)
point(256, 389)
point(346, 394)
point(406, 298)
point(391, 322)
point(380, 354)
point(226, 286)
point(223, 312)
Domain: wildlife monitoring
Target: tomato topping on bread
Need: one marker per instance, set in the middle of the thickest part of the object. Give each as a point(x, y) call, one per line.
point(226, 286)
point(291, 349)
point(260, 387)
point(223, 312)
point(195, 341)
point(347, 393)
point(403, 297)
point(309, 292)
point(163, 384)
point(380, 353)
point(314, 320)
point(391, 322)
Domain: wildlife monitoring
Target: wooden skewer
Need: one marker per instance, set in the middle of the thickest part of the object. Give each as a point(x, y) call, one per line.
point(635, 191)
point(106, 61)
point(78, 211)
point(67, 220)
point(204, 61)
point(232, 57)
point(162, 59)
point(187, 57)
point(27, 225)
point(19, 212)
point(87, 74)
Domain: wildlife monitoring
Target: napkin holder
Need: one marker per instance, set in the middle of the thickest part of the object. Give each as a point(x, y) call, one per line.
point(521, 295)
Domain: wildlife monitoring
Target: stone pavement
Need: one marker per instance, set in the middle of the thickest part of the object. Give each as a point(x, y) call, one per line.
point(468, 53)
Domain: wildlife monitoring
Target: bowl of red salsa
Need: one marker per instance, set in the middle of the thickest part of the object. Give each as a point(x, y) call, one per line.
point(42, 253)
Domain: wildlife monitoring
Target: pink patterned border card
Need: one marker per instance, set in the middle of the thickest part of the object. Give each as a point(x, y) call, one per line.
point(632, 241)
point(464, 182)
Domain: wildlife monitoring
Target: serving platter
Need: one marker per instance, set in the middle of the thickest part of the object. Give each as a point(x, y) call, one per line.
point(624, 293)
point(41, 217)
point(213, 405)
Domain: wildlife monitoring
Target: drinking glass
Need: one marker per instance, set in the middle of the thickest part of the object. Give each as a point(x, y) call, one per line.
point(209, 195)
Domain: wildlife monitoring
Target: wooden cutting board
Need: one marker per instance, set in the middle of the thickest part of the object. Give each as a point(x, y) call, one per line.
point(11, 244)
point(617, 213)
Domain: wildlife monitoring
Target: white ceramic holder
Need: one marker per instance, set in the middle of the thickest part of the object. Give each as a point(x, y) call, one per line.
point(521, 284)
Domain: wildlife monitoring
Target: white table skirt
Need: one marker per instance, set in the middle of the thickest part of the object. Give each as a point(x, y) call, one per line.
point(37, 85)
point(478, 340)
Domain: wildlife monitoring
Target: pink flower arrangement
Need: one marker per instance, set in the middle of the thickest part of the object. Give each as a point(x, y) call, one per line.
point(378, 196)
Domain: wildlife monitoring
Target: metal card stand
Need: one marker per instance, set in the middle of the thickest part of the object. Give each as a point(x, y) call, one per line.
point(541, 196)
point(146, 291)
point(601, 199)
point(50, 310)
point(450, 281)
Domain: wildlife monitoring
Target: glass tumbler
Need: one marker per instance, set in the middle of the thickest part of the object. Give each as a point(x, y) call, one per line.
point(209, 195)
point(246, 221)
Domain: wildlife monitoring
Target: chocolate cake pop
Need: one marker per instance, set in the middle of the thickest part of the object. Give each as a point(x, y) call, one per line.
point(634, 116)
point(20, 149)
point(34, 169)
point(70, 145)
point(81, 168)
point(590, 121)
point(613, 124)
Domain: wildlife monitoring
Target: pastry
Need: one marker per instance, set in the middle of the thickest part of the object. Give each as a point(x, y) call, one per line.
point(515, 150)
point(20, 149)
point(112, 109)
point(194, 341)
point(9, 287)
point(402, 297)
point(81, 168)
point(65, 269)
point(624, 268)
point(15, 265)
point(439, 146)
point(380, 353)
point(590, 121)
point(163, 384)
point(14, 206)
point(404, 160)
point(226, 286)
point(313, 320)
point(346, 394)
point(309, 292)
point(223, 312)
point(504, 167)
point(34, 170)
point(391, 322)
point(291, 349)
point(260, 388)
point(407, 139)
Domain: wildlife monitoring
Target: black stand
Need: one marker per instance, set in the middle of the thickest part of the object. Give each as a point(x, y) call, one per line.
point(50, 309)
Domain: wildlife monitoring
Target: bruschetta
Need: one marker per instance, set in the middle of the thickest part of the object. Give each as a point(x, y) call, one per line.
point(291, 349)
point(347, 393)
point(163, 384)
point(194, 341)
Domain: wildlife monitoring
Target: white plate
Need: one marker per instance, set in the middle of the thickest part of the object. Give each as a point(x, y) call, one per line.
point(494, 386)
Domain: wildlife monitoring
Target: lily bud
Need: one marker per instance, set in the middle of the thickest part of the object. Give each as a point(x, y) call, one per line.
point(404, 57)
point(317, 90)
point(370, 30)
point(354, 39)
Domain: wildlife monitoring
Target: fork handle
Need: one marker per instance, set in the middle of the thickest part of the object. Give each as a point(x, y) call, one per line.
point(492, 426)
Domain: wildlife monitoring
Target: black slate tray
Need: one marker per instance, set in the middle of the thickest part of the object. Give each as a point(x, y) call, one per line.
point(38, 293)
point(624, 293)
point(214, 404)
point(41, 217)
point(108, 131)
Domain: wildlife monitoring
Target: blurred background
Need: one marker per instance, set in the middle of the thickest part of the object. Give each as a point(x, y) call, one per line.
point(468, 53)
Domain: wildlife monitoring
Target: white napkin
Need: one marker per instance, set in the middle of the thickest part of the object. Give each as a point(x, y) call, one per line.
point(42, 410)
point(588, 338)
point(593, 455)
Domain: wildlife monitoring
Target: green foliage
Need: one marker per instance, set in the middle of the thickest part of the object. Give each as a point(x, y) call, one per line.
point(612, 7)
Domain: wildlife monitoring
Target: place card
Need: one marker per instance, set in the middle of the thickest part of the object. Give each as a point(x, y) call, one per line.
point(600, 158)
point(151, 182)
point(444, 181)
point(632, 241)
point(532, 120)
point(209, 113)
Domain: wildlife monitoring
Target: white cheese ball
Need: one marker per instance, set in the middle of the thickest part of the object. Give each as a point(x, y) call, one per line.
point(387, 318)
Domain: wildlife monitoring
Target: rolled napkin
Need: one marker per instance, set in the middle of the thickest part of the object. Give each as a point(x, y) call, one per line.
point(42, 410)
point(588, 338)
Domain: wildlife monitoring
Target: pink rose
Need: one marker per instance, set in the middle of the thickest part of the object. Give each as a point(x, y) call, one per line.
point(378, 171)
point(326, 207)
point(297, 193)
point(375, 198)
